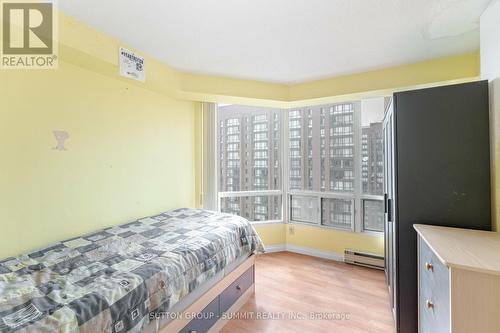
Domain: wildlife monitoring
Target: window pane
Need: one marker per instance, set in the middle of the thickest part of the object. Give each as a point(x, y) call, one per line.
point(304, 209)
point(337, 148)
point(300, 140)
point(260, 208)
point(373, 215)
point(249, 148)
point(321, 148)
point(372, 146)
point(336, 213)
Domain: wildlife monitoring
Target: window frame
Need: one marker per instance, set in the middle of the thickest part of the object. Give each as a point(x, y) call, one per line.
point(319, 196)
point(243, 194)
point(369, 197)
point(357, 196)
point(256, 193)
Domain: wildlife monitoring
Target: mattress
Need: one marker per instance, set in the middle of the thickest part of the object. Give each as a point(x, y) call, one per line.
point(112, 280)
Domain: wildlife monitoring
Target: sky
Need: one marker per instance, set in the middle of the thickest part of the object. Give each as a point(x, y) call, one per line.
point(372, 110)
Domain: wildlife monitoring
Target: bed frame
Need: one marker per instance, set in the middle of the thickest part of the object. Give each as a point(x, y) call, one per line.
point(225, 298)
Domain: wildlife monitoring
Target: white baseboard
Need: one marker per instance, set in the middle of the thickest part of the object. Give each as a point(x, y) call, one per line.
point(315, 252)
point(305, 250)
point(275, 248)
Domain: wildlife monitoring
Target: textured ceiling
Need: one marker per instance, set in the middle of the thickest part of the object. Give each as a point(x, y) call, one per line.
point(286, 41)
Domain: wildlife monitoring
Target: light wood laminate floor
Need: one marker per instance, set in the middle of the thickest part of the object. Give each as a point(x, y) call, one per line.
point(289, 287)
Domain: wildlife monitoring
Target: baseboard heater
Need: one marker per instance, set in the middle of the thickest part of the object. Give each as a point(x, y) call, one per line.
point(363, 259)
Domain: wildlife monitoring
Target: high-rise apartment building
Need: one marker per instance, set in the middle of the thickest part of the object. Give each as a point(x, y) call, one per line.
point(372, 174)
point(321, 145)
point(372, 159)
point(324, 144)
point(250, 160)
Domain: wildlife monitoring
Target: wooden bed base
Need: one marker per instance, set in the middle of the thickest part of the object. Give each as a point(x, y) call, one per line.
point(178, 324)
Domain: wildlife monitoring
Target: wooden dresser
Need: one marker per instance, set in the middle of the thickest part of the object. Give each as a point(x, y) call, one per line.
point(458, 280)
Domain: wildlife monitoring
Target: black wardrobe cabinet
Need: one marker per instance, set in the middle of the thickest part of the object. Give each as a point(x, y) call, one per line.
point(437, 171)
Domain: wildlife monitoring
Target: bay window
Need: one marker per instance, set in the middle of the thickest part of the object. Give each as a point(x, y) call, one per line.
point(335, 160)
point(330, 175)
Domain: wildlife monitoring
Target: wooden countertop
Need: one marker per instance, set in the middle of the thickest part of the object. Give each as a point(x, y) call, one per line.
point(463, 248)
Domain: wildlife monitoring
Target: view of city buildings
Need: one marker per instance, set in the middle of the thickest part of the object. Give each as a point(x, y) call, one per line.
point(372, 159)
point(372, 174)
point(250, 160)
point(322, 148)
point(321, 144)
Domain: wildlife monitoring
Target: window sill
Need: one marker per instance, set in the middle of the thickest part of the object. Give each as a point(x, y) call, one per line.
point(314, 225)
point(266, 222)
point(372, 233)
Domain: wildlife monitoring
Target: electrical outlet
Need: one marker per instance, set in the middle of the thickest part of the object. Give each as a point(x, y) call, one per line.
point(291, 230)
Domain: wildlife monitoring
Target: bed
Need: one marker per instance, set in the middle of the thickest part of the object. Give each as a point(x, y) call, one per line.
point(127, 278)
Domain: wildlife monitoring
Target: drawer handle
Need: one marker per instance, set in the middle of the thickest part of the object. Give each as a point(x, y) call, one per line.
point(429, 266)
point(429, 304)
point(193, 331)
point(238, 287)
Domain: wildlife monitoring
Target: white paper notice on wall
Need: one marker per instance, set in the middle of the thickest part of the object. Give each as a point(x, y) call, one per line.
point(132, 66)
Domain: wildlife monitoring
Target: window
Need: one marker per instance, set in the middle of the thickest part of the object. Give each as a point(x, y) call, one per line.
point(334, 164)
point(260, 118)
point(373, 215)
point(250, 178)
point(233, 129)
point(260, 145)
point(304, 208)
point(337, 163)
point(233, 147)
point(232, 122)
point(261, 154)
point(337, 213)
point(253, 208)
point(372, 164)
point(260, 127)
point(233, 155)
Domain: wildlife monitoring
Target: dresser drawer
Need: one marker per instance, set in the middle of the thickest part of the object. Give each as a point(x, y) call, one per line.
point(205, 319)
point(235, 290)
point(434, 292)
point(431, 269)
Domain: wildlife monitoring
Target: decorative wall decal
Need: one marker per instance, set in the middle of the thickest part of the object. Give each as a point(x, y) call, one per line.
point(61, 137)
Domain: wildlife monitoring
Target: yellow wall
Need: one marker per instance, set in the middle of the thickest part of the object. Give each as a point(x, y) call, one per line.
point(85, 47)
point(272, 234)
point(388, 80)
point(333, 240)
point(131, 153)
point(317, 238)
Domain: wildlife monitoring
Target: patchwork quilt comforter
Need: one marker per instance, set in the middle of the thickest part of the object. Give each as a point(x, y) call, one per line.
point(114, 279)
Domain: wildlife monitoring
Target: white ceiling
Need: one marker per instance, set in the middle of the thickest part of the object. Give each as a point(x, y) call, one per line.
point(286, 41)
